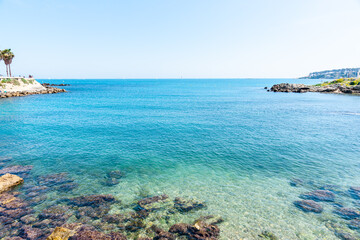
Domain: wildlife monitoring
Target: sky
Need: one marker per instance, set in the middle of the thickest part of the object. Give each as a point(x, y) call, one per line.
point(179, 38)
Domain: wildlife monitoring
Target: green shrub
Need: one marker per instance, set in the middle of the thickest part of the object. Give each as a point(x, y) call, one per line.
point(24, 81)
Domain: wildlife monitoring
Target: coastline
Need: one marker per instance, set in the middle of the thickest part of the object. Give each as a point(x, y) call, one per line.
point(19, 87)
point(339, 86)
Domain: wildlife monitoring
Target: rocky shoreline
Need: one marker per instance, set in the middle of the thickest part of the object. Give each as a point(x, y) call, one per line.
point(302, 88)
point(48, 90)
point(89, 217)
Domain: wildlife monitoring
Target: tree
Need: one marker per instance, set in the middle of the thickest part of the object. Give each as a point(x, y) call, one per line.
point(1, 56)
point(7, 56)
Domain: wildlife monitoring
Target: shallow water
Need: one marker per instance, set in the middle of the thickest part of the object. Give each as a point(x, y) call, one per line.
point(228, 142)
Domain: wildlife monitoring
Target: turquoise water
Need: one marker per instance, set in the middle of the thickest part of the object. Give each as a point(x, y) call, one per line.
point(227, 142)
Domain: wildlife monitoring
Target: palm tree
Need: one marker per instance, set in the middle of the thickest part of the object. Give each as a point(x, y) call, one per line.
point(7, 56)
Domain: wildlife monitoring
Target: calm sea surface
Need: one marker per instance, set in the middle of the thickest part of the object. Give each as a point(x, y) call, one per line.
point(227, 142)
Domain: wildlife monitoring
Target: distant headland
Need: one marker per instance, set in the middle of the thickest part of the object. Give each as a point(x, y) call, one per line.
point(335, 74)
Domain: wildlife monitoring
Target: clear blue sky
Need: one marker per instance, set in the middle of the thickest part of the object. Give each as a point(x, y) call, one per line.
point(174, 38)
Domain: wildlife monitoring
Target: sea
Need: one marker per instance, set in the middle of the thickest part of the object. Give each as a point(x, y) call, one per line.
point(228, 143)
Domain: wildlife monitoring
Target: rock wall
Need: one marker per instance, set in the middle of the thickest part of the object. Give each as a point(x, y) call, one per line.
point(301, 88)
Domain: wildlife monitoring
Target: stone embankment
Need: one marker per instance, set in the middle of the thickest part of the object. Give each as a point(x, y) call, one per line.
point(48, 90)
point(302, 88)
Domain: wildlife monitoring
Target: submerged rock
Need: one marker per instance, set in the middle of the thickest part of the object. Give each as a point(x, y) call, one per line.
point(199, 230)
point(116, 174)
point(54, 179)
point(184, 205)
point(91, 200)
point(319, 195)
point(110, 182)
point(152, 203)
point(211, 220)
point(331, 188)
point(268, 235)
point(296, 182)
point(57, 212)
point(9, 181)
point(347, 213)
point(67, 187)
point(354, 224)
point(17, 169)
point(96, 212)
point(309, 206)
point(31, 233)
point(355, 192)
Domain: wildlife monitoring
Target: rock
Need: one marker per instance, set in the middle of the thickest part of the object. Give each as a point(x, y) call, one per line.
point(268, 235)
point(67, 187)
point(144, 203)
point(183, 205)
point(91, 200)
point(199, 230)
point(319, 195)
point(116, 174)
point(90, 235)
point(331, 188)
point(56, 213)
point(355, 192)
point(295, 182)
point(28, 219)
point(161, 234)
point(309, 206)
point(354, 224)
point(61, 233)
point(16, 213)
point(16, 169)
point(9, 181)
point(347, 213)
point(211, 220)
point(96, 212)
point(110, 182)
point(114, 218)
point(117, 236)
point(31, 233)
point(54, 179)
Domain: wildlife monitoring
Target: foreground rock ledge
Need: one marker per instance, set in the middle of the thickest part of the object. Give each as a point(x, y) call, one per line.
point(302, 88)
point(9, 181)
point(48, 90)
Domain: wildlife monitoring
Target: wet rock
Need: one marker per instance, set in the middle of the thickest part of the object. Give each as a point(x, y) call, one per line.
point(354, 224)
point(92, 200)
point(355, 192)
point(61, 233)
point(14, 238)
point(347, 213)
point(116, 174)
point(319, 195)
point(31, 233)
point(5, 220)
point(150, 203)
point(9, 181)
point(15, 203)
point(309, 206)
point(17, 169)
point(296, 182)
point(67, 187)
point(268, 235)
point(54, 179)
point(135, 225)
point(37, 200)
point(184, 205)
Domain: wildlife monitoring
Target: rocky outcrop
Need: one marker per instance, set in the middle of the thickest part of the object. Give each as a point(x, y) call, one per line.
point(9, 181)
point(302, 88)
point(309, 206)
point(48, 90)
